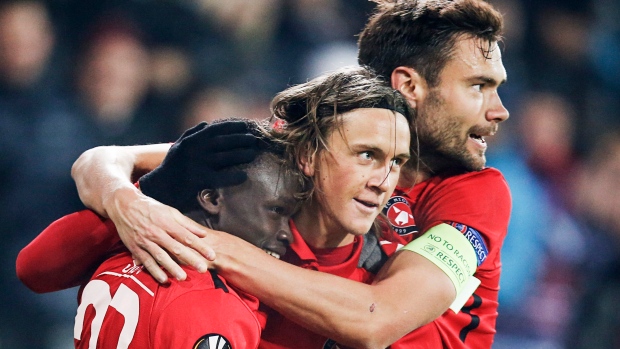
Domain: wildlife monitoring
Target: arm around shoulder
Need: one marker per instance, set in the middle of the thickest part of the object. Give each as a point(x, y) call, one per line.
point(409, 292)
point(102, 171)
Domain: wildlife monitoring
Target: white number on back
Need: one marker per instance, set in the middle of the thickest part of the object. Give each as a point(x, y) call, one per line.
point(125, 301)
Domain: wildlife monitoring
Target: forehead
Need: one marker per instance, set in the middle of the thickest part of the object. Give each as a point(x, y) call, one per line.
point(473, 57)
point(375, 127)
point(269, 181)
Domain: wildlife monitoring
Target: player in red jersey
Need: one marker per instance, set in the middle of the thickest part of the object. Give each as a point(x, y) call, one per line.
point(353, 133)
point(455, 200)
point(122, 306)
point(443, 56)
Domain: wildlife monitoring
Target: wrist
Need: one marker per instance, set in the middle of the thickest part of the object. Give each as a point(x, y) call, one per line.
point(228, 251)
point(114, 200)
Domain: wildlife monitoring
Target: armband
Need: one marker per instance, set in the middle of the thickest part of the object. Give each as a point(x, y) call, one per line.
point(448, 249)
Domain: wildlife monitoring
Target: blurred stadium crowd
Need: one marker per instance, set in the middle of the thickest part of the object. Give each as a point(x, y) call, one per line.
point(75, 74)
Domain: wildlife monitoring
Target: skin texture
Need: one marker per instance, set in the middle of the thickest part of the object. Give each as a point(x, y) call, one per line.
point(143, 224)
point(258, 210)
point(456, 115)
point(464, 102)
point(354, 178)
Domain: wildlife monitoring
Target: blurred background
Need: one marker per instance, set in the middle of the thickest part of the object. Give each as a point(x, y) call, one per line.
point(75, 74)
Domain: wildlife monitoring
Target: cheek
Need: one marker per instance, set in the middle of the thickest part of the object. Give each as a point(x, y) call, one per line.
point(471, 108)
point(463, 101)
point(257, 229)
point(333, 173)
point(393, 181)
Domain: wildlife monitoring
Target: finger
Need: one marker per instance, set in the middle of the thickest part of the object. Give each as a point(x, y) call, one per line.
point(143, 258)
point(191, 239)
point(186, 255)
point(172, 239)
point(226, 127)
point(232, 157)
point(194, 241)
point(162, 258)
point(171, 234)
point(193, 130)
point(186, 227)
point(232, 141)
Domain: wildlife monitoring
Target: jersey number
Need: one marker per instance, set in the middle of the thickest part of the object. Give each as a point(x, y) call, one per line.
point(475, 319)
point(125, 301)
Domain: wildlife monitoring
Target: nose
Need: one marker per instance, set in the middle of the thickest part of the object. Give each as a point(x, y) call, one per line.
point(381, 178)
point(497, 112)
point(284, 235)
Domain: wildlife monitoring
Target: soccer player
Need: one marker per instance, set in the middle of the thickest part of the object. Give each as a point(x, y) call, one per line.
point(344, 126)
point(122, 306)
point(443, 56)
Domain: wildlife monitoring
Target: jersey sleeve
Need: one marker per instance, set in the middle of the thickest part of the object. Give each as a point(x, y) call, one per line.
point(481, 201)
point(66, 252)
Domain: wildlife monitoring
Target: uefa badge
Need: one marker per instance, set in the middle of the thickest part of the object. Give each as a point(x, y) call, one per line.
point(212, 341)
point(398, 212)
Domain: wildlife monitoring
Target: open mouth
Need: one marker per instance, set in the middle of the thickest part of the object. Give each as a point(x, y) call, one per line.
point(477, 138)
point(272, 254)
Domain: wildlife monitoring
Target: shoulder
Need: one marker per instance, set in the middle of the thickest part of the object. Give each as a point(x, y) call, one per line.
point(204, 309)
point(485, 180)
point(471, 192)
point(479, 200)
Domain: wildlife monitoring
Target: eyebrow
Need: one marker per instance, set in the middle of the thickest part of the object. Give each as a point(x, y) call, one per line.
point(488, 80)
point(379, 150)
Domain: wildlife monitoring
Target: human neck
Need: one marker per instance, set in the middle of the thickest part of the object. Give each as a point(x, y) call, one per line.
point(199, 217)
point(318, 230)
point(412, 174)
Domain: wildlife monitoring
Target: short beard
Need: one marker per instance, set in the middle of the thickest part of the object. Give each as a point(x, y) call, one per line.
point(436, 160)
point(440, 149)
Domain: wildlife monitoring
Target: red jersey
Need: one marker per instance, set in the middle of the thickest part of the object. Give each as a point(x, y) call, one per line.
point(475, 202)
point(122, 306)
point(478, 201)
point(283, 333)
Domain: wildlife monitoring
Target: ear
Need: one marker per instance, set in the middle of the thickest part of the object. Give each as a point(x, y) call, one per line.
point(210, 200)
point(410, 84)
point(306, 164)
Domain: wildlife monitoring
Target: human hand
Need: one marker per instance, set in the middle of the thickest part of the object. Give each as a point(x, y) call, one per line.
point(221, 145)
point(158, 235)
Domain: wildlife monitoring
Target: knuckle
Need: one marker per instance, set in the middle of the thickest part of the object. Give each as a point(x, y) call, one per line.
point(189, 240)
point(177, 250)
point(159, 256)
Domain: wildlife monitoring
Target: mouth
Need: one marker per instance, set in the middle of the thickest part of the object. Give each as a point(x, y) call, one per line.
point(477, 138)
point(272, 253)
point(369, 204)
point(479, 133)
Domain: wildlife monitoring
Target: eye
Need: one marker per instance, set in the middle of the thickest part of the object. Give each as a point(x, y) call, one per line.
point(366, 155)
point(396, 163)
point(278, 210)
point(478, 87)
